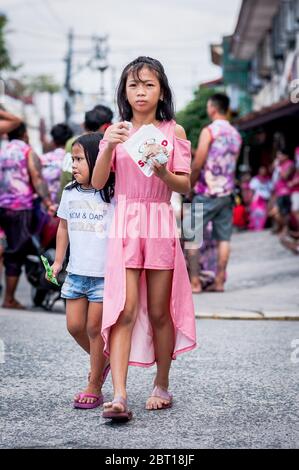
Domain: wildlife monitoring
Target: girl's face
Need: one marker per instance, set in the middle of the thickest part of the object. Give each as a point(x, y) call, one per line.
point(143, 94)
point(80, 165)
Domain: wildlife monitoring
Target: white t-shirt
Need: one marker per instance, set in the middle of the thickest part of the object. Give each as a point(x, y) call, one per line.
point(89, 220)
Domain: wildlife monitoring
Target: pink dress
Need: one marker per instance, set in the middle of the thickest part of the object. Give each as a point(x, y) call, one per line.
point(137, 194)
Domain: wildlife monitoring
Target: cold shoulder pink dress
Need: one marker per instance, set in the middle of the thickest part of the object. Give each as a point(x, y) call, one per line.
point(140, 197)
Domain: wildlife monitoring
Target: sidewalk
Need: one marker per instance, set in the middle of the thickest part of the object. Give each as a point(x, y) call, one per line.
point(263, 282)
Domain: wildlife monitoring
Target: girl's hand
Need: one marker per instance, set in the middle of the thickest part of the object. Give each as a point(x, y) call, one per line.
point(159, 170)
point(117, 134)
point(151, 150)
point(52, 209)
point(56, 267)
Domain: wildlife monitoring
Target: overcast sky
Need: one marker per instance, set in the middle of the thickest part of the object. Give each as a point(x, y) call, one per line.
point(177, 32)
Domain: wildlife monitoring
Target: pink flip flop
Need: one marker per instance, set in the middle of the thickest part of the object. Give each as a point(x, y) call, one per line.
point(125, 415)
point(164, 395)
point(88, 406)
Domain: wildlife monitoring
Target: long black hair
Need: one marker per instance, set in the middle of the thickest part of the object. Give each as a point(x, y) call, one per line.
point(165, 109)
point(90, 144)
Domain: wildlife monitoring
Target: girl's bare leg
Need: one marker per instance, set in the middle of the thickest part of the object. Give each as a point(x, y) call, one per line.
point(159, 285)
point(97, 358)
point(120, 339)
point(76, 319)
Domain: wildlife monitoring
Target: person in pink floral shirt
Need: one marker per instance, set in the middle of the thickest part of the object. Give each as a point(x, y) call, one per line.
point(52, 161)
point(20, 177)
point(213, 175)
point(284, 170)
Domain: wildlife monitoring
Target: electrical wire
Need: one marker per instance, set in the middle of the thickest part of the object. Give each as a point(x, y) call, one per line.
point(54, 15)
point(39, 34)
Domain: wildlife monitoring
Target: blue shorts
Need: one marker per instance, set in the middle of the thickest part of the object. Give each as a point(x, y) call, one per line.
point(78, 287)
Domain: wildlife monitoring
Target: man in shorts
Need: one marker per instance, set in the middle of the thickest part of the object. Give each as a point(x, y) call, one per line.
point(213, 178)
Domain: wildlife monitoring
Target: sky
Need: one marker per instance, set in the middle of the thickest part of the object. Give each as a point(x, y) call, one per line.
point(177, 32)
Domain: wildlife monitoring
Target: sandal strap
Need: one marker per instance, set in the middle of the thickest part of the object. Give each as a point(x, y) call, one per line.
point(120, 400)
point(160, 393)
point(105, 373)
point(90, 395)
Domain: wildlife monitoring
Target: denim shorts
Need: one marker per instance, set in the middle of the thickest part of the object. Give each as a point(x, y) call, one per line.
point(77, 287)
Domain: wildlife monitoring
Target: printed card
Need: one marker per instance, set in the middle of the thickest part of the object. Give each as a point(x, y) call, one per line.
point(148, 144)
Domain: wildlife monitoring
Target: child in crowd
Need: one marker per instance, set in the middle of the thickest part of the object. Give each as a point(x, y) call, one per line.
point(85, 216)
point(261, 186)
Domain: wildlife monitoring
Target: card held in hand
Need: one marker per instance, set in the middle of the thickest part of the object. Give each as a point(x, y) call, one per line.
point(146, 145)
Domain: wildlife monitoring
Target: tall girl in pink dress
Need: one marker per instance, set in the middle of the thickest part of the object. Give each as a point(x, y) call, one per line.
point(148, 314)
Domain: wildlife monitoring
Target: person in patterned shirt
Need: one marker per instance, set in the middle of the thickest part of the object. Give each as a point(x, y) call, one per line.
point(213, 175)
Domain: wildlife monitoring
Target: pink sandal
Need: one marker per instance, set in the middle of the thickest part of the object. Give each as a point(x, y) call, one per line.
point(164, 395)
point(88, 406)
point(125, 415)
point(99, 399)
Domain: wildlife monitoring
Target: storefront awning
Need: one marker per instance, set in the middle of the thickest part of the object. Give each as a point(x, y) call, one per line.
point(254, 21)
point(266, 115)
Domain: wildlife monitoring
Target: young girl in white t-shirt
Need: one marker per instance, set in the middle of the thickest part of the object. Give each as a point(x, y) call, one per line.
point(85, 218)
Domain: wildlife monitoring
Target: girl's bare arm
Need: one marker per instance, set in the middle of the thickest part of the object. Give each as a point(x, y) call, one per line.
point(62, 242)
point(116, 134)
point(8, 122)
point(102, 169)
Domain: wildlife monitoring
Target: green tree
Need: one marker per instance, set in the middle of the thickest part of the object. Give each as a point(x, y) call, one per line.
point(194, 116)
point(5, 63)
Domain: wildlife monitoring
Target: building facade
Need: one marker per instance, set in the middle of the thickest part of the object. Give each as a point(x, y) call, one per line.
point(260, 64)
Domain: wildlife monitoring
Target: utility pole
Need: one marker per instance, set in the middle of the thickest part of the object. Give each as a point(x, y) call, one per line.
point(98, 61)
point(113, 82)
point(101, 61)
point(68, 73)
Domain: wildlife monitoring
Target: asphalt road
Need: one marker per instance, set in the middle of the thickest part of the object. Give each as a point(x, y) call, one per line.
point(239, 389)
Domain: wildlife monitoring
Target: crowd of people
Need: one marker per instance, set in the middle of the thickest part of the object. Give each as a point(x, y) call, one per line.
point(271, 199)
point(271, 195)
point(34, 183)
point(30, 188)
point(124, 293)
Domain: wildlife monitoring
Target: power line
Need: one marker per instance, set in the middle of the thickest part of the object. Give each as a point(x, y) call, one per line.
point(54, 14)
point(44, 20)
point(40, 34)
point(42, 59)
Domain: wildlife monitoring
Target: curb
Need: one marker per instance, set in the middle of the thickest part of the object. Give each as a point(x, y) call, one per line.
point(247, 316)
